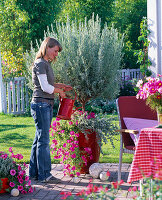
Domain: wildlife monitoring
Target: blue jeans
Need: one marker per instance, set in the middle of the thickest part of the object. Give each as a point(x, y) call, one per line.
point(40, 160)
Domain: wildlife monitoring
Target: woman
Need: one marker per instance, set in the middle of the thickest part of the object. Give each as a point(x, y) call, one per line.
point(42, 108)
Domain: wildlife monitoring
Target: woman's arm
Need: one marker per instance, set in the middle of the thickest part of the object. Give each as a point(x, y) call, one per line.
point(63, 86)
point(46, 87)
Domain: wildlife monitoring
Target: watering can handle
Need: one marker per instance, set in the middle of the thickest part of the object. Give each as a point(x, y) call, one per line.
point(74, 98)
point(76, 108)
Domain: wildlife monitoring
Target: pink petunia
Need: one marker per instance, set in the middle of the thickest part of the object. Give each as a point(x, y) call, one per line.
point(12, 184)
point(73, 155)
point(73, 168)
point(70, 123)
point(26, 178)
point(12, 172)
point(64, 145)
point(21, 181)
point(77, 173)
point(20, 187)
point(10, 149)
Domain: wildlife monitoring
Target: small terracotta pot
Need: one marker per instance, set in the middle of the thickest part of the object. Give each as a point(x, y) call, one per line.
point(4, 185)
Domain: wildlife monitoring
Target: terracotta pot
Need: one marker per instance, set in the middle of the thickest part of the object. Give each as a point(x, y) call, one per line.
point(90, 140)
point(4, 185)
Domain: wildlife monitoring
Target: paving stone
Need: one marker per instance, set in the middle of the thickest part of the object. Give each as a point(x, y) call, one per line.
point(51, 191)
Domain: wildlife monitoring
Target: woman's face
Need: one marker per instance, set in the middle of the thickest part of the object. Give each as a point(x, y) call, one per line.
point(51, 53)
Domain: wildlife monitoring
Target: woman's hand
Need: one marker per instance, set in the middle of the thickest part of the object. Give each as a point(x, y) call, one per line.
point(62, 94)
point(67, 88)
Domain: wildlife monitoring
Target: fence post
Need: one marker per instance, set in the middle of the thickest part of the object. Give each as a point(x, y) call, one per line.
point(1, 87)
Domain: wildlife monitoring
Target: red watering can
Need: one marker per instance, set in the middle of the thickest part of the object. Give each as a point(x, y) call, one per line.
point(66, 108)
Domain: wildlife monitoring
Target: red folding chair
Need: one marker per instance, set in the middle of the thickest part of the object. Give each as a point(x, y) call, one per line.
point(130, 106)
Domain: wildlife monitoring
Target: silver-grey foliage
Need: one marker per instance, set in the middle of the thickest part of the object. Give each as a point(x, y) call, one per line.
point(5, 166)
point(90, 59)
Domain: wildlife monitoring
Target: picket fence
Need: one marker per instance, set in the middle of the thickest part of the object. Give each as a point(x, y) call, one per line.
point(15, 99)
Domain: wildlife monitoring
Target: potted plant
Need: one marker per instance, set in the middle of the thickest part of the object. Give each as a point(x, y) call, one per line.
point(6, 164)
point(15, 172)
point(151, 90)
point(77, 142)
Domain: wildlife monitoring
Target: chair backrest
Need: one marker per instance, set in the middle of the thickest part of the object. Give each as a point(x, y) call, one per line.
point(130, 106)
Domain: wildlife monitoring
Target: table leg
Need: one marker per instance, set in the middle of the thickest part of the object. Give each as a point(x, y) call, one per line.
point(141, 189)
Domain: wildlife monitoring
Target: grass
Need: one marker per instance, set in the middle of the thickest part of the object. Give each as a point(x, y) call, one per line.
point(18, 132)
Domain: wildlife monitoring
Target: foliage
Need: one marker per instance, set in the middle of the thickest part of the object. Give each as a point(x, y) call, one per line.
point(90, 59)
point(127, 87)
point(12, 66)
point(41, 14)
point(100, 105)
point(65, 143)
point(6, 164)
point(78, 10)
point(96, 192)
point(151, 90)
point(127, 15)
point(16, 172)
point(151, 187)
point(13, 26)
point(143, 53)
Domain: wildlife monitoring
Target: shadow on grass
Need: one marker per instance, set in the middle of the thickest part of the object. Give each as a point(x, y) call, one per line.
point(8, 127)
point(16, 140)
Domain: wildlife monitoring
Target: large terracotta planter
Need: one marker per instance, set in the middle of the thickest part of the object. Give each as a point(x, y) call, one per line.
point(90, 140)
point(4, 185)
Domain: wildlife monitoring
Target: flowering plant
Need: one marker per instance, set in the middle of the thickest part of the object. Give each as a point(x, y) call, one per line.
point(151, 188)
point(15, 172)
point(151, 90)
point(65, 145)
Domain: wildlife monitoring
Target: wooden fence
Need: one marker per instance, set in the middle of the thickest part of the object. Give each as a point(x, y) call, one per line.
point(14, 96)
point(14, 93)
point(129, 74)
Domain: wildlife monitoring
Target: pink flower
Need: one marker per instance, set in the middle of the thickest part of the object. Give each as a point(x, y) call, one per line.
point(20, 187)
point(30, 190)
point(70, 123)
point(12, 184)
point(19, 167)
point(20, 181)
point(77, 173)
point(26, 178)
point(72, 133)
point(73, 155)
point(73, 168)
point(23, 192)
point(10, 149)
point(12, 172)
point(64, 145)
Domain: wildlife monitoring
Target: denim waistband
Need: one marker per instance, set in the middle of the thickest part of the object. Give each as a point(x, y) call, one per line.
point(41, 99)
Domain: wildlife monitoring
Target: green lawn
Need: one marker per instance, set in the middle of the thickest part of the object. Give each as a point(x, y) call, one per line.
point(18, 132)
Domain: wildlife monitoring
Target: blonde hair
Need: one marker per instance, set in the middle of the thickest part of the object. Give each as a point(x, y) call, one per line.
point(48, 42)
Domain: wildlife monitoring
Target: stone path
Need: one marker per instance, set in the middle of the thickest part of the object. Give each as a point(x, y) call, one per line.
point(49, 191)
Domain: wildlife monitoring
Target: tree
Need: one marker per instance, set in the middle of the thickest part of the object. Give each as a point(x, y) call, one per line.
point(90, 59)
point(79, 9)
point(13, 27)
point(127, 16)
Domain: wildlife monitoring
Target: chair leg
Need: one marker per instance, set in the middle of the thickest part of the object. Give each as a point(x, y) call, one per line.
point(120, 164)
